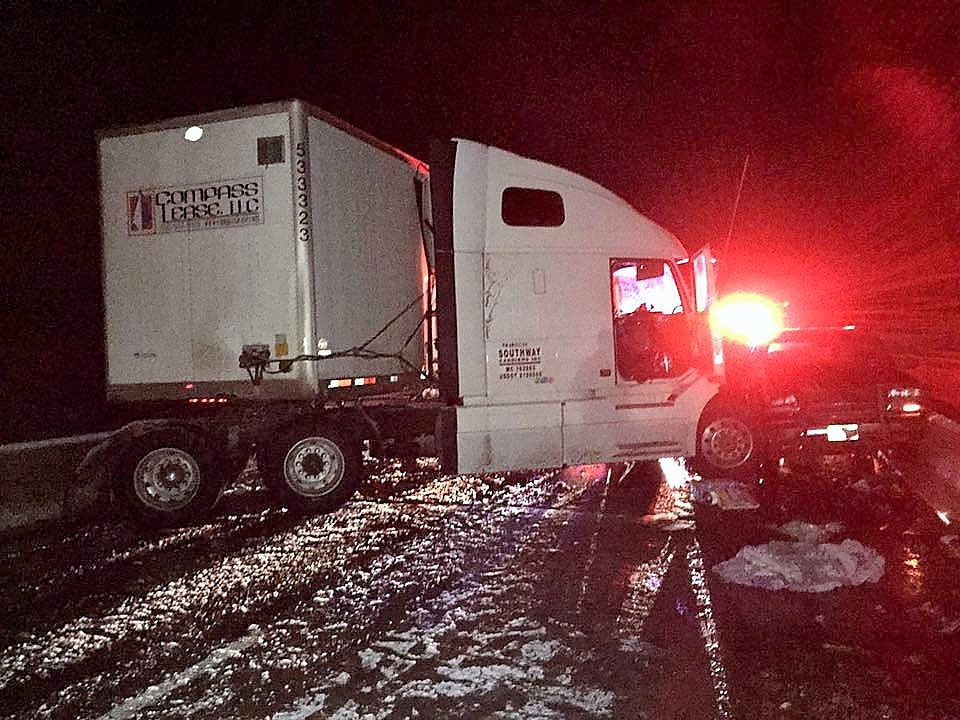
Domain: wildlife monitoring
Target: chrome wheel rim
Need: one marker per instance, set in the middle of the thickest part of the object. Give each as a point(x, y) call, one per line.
point(726, 443)
point(314, 466)
point(166, 479)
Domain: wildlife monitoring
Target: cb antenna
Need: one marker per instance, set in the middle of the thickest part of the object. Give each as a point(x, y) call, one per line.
point(736, 204)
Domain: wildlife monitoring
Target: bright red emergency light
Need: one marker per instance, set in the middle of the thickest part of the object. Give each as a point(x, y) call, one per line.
point(746, 318)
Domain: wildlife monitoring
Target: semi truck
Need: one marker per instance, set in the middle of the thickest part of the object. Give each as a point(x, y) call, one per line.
point(280, 284)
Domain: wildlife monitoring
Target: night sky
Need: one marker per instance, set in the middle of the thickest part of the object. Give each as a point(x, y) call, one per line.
point(849, 114)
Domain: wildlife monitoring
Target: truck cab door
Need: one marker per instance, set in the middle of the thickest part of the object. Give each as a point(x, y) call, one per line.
point(651, 408)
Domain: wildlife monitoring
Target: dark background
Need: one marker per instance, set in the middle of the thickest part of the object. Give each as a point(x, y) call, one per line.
point(848, 112)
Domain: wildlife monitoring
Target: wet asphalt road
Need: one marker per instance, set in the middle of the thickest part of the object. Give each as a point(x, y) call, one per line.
point(576, 594)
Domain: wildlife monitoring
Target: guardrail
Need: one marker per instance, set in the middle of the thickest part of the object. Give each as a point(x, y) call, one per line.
point(38, 481)
point(938, 476)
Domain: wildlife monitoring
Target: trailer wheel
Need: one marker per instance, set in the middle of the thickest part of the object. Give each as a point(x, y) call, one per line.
point(168, 477)
point(314, 469)
point(728, 445)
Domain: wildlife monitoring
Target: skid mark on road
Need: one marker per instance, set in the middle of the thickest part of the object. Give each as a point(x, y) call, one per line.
point(134, 706)
point(686, 565)
point(595, 537)
point(708, 630)
point(643, 586)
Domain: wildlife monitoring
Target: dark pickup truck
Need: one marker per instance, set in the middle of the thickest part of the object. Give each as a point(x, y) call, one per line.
point(829, 391)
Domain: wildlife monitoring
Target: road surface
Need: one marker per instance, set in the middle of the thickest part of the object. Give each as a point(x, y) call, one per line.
point(584, 593)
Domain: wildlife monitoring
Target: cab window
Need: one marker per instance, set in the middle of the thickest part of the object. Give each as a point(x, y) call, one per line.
point(530, 207)
point(651, 330)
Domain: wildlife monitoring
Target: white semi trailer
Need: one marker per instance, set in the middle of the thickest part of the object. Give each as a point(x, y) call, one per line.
point(279, 282)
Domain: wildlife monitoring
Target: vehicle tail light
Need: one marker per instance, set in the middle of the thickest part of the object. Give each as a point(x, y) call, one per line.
point(904, 401)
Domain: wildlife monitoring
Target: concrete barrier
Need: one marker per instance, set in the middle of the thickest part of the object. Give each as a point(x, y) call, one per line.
point(941, 379)
point(38, 481)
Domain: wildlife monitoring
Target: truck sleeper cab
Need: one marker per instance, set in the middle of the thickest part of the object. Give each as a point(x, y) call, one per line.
point(567, 332)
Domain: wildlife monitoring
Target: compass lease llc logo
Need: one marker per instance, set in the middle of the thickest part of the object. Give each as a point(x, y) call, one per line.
point(200, 206)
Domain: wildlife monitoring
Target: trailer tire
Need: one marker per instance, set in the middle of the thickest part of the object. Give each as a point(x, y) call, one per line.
point(314, 469)
point(729, 446)
point(168, 477)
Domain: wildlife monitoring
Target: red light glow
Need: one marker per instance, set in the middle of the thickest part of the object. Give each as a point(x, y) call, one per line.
point(746, 318)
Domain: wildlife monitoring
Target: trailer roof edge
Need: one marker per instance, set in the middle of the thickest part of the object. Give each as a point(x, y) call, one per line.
point(249, 111)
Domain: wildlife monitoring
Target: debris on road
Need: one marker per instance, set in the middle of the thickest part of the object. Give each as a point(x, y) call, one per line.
point(951, 544)
point(808, 532)
point(803, 566)
point(934, 616)
point(726, 494)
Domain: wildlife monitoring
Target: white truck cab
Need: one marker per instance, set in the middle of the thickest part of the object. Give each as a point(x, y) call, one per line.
point(573, 330)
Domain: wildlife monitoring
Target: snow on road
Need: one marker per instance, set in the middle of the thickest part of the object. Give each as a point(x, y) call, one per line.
point(316, 594)
point(474, 650)
point(584, 594)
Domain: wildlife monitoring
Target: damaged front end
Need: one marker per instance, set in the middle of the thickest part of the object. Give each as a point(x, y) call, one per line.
point(888, 422)
point(831, 393)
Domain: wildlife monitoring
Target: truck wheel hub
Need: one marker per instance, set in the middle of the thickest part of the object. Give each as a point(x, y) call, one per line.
point(314, 466)
point(727, 443)
point(166, 479)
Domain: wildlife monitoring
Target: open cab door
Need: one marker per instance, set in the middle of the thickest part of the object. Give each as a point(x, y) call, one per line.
point(705, 292)
point(704, 278)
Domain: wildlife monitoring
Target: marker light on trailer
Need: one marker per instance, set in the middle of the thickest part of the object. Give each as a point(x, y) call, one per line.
point(747, 318)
